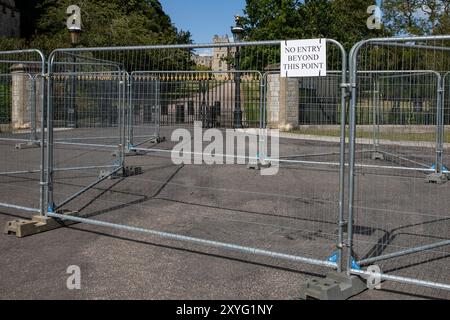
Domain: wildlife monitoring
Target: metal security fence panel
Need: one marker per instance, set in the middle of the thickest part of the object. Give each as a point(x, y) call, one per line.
point(320, 100)
point(397, 120)
point(86, 136)
point(311, 113)
point(86, 108)
point(398, 199)
point(161, 91)
point(314, 118)
point(173, 99)
point(399, 98)
point(21, 135)
point(144, 109)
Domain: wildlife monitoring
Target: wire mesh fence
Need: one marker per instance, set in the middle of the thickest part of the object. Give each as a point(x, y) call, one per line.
point(397, 120)
point(316, 134)
point(311, 112)
point(171, 99)
point(86, 135)
point(144, 113)
point(96, 111)
point(398, 217)
point(21, 119)
point(114, 117)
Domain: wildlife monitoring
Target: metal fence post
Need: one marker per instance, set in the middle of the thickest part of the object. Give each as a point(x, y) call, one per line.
point(130, 140)
point(33, 136)
point(352, 141)
point(440, 127)
point(43, 182)
point(49, 163)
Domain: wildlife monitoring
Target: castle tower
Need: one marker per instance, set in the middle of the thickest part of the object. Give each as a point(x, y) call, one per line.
point(222, 56)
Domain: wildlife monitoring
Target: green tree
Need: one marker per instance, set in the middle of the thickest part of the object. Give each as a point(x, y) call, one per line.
point(272, 19)
point(348, 23)
point(342, 20)
point(417, 17)
point(444, 24)
point(105, 23)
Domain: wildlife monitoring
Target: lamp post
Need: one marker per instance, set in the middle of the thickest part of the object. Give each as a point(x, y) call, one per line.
point(237, 32)
point(75, 32)
point(74, 28)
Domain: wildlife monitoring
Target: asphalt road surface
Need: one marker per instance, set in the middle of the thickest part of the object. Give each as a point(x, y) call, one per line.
point(294, 212)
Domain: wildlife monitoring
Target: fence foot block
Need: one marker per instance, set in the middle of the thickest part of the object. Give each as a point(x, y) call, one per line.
point(336, 286)
point(259, 165)
point(38, 224)
point(123, 173)
point(437, 178)
point(28, 145)
point(129, 153)
point(159, 140)
point(377, 156)
point(134, 153)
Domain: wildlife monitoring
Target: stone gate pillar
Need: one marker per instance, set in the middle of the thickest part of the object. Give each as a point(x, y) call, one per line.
point(289, 102)
point(26, 93)
point(282, 102)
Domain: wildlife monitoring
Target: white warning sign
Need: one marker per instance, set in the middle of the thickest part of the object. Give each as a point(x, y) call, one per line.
point(304, 58)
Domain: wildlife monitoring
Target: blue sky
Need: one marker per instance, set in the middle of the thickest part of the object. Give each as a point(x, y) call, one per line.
point(203, 18)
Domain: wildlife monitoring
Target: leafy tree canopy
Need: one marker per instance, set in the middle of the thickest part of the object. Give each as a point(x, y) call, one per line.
point(417, 17)
point(342, 20)
point(104, 23)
